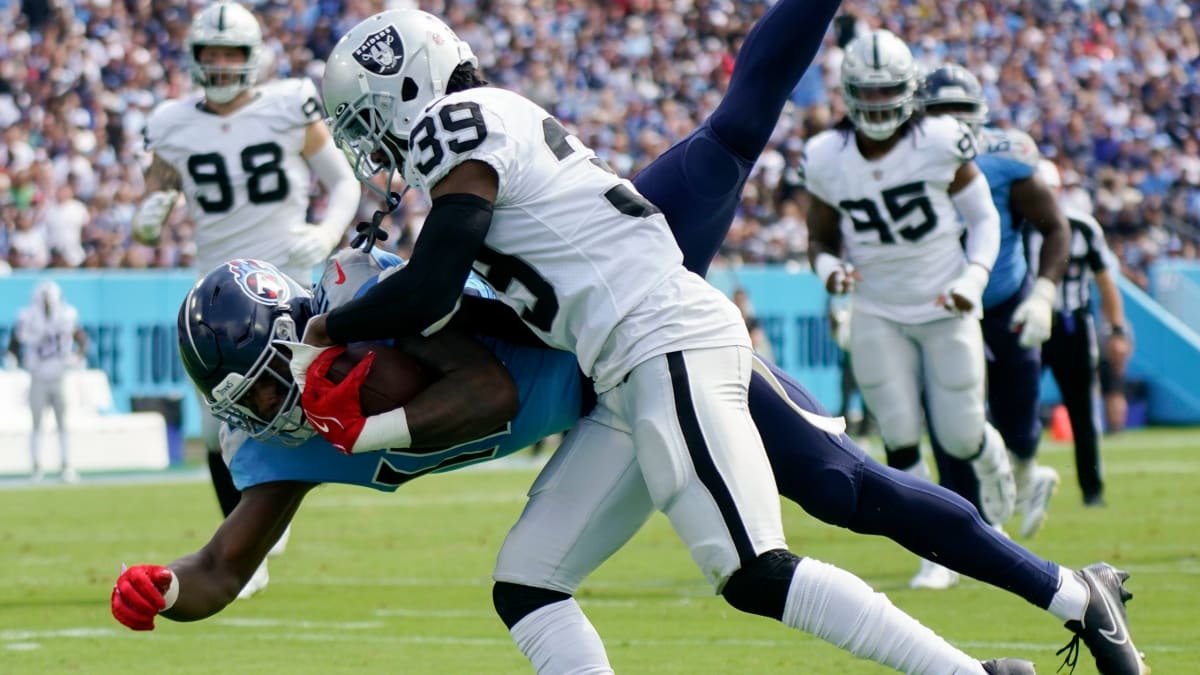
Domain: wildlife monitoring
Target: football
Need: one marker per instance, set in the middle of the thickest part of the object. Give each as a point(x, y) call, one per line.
point(394, 379)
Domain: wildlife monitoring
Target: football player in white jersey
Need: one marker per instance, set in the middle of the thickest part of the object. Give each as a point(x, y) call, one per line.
point(47, 341)
point(591, 267)
point(242, 154)
point(887, 190)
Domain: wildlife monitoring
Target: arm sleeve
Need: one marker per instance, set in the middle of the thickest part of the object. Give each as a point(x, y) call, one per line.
point(974, 204)
point(337, 177)
point(427, 289)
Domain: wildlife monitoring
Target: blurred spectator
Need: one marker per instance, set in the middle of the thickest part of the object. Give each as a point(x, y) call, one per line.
point(1110, 90)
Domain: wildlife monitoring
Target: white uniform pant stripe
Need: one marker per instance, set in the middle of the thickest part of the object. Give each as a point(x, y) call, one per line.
point(702, 459)
point(599, 487)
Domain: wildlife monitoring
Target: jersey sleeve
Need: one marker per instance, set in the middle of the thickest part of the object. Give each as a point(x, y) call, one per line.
point(302, 105)
point(812, 173)
point(453, 130)
point(154, 134)
point(1016, 146)
point(1099, 256)
point(960, 142)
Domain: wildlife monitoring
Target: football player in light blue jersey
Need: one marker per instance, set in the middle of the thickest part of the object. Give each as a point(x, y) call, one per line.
point(1017, 310)
point(549, 394)
point(487, 383)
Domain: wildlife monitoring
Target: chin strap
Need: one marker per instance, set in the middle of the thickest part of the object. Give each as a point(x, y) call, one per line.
point(369, 231)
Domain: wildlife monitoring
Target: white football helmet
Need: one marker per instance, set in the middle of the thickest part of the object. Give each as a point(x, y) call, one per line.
point(224, 24)
point(879, 80)
point(378, 79)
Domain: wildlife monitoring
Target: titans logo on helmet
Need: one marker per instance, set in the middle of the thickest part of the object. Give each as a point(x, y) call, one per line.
point(260, 281)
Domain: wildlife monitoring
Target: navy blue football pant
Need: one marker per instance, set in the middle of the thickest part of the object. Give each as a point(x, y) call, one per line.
point(1014, 376)
point(1072, 355)
point(697, 184)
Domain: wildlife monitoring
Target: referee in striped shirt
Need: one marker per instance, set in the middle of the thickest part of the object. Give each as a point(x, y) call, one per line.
point(1072, 352)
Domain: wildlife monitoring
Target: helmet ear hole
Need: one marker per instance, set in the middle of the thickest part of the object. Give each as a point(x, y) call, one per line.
point(409, 90)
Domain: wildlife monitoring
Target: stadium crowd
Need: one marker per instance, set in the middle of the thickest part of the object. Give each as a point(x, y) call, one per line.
point(1109, 89)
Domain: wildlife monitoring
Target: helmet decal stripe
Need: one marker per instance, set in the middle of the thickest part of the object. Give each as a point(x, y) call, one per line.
point(187, 302)
point(221, 18)
point(875, 49)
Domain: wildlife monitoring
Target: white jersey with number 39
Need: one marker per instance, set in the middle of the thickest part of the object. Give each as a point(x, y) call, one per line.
point(586, 260)
point(243, 175)
point(900, 228)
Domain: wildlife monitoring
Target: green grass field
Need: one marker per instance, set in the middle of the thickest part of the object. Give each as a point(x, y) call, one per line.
point(401, 583)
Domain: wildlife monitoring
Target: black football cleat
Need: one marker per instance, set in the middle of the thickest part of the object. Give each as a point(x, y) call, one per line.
point(1009, 667)
point(1105, 627)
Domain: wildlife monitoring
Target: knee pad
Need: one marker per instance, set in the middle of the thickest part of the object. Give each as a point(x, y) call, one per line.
point(514, 602)
point(761, 587)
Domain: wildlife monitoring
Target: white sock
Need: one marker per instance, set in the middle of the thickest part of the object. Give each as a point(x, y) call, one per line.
point(35, 442)
point(840, 608)
point(1071, 599)
point(559, 640)
point(1023, 473)
point(63, 447)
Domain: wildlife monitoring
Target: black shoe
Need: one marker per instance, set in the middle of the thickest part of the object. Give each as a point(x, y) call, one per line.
point(1105, 628)
point(1009, 667)
point(1095, 501)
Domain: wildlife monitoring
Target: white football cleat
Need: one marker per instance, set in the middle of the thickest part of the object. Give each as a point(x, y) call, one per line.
point(70, 475)
point(1035, 499)
point(933, 576)
point(257, 582)
point(281, 545)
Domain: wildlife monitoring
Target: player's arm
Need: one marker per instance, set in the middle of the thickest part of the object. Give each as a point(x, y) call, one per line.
point(825, 247)
point(162, 191)
point(199, 585)
point(1034, 201)
point(973, 200)
point(422, 296)
point(474, 396)
point(316, 241)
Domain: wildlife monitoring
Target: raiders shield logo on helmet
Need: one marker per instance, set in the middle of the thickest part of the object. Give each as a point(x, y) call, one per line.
point(382, 52)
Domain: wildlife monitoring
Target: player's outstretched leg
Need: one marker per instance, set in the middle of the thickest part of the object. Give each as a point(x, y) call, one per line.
point(836, 481)
point(697, 183)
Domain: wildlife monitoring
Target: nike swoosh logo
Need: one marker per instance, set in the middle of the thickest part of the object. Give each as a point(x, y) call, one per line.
point(323, 428)
point(341, 277)
point(1117, 634)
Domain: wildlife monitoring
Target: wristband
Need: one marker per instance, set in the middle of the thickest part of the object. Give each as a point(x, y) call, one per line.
point(386, 430)
point(172, 593)
point(825, 265)
point(1118, 331)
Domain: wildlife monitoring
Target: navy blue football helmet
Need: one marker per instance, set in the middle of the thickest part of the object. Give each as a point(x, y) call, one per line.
point(228, 325)
point(953, 90)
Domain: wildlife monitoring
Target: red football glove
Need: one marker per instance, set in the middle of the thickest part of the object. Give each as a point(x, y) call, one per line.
point(334, 410)
point(138, 596)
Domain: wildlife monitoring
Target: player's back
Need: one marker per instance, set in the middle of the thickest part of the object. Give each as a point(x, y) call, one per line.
point(242, 173)
point(587, 262)
point(1005, 157)
point(899, 225)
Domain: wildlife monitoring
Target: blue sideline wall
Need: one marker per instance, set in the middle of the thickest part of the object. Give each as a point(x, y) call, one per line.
point(129, 317)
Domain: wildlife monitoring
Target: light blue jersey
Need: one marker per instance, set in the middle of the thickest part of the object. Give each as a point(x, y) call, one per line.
point(548, 381)
point(1006, 156)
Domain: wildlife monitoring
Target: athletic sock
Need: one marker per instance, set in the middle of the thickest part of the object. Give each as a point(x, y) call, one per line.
point(558, 638)
point(842, 609)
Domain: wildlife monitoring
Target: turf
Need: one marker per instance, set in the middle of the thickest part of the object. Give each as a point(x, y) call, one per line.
point(400, 583)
